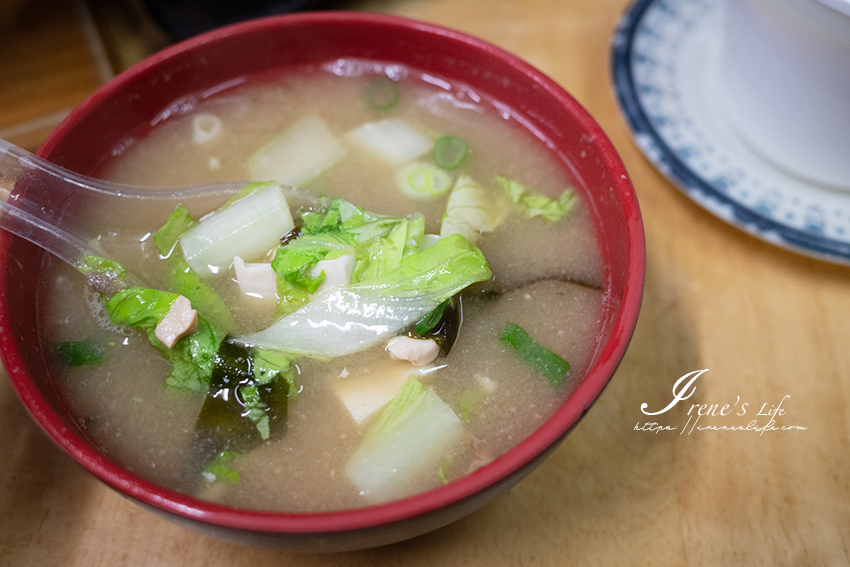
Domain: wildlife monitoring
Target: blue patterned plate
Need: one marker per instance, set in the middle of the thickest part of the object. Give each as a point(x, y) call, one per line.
point(665, 68)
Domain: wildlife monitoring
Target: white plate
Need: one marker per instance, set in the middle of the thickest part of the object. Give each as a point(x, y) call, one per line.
point(665, 67)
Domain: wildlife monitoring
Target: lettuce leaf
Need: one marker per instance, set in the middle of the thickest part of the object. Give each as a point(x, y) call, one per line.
point(471, 210)
point(219, 469)
point(182, 278)
point(293, 263)
point(270, 365)
point(80, 353)
point(167, 237)
point(382, 253)
point(95, 264)
point(377, 238)
point(139, 307)
point(536, 204)
point(377, 242)
point(351, 318)
point(192, 358)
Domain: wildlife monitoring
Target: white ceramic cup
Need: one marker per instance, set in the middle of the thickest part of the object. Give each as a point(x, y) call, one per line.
point(785, 83)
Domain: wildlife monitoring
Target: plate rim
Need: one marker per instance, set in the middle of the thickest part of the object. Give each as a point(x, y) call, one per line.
point(689, 182)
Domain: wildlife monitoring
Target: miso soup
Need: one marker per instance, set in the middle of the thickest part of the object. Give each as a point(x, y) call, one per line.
point(406, 171)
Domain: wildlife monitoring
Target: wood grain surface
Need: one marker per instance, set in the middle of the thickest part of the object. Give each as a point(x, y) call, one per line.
point(769, 326)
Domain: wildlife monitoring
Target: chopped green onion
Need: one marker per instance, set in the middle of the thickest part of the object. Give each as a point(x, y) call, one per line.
point(423, 181)
point(382, 94)
point(80, 353)
point(552, 366)
point(450, 151)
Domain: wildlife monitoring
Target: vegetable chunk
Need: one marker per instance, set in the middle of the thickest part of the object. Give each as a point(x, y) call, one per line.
point(350, 318)
point(393, 140)
point(298, 155)
point(552, 366)
point(471, 210)
point(411, 438)
point(248, 227)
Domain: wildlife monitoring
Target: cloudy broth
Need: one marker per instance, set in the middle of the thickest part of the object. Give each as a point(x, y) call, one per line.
point(547, 278)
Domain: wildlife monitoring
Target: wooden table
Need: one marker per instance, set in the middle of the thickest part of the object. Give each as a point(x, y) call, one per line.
point(770, 327)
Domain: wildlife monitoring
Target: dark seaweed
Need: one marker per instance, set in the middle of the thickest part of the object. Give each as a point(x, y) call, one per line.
point(224, 423)
point(441, 325)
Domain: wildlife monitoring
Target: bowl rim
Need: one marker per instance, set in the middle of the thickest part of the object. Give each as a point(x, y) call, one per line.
point(505, 466)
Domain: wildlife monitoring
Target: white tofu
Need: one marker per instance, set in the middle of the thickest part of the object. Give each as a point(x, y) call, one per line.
point(337, 272)
point(418, 352)
point(256, 279)
point(181, 320)
point(367, 393)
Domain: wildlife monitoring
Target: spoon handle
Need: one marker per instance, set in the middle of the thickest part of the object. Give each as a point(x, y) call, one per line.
point(49, 237)
point(39, 201)
point(32, 218)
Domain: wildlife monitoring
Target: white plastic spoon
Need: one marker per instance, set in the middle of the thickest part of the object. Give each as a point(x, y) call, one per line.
point(36, 195)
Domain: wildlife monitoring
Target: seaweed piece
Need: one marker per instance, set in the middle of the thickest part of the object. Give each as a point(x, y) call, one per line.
point(241, 410)
point(442, 325)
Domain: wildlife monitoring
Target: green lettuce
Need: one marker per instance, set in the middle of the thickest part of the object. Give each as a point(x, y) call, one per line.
point(219, 469)
point(293, 264)
point(95, 264)
point(80, 353)
point(192, 358)
point(377, 242)
point(471, 210)
point(536, 204)
point(380, 242)
point(353, 317)
point(270, 365)
point(182, 278)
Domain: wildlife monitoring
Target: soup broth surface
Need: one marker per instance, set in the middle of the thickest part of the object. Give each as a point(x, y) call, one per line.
point(547, 278)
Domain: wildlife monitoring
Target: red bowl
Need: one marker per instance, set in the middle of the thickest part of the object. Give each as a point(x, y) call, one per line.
point(129, 104)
